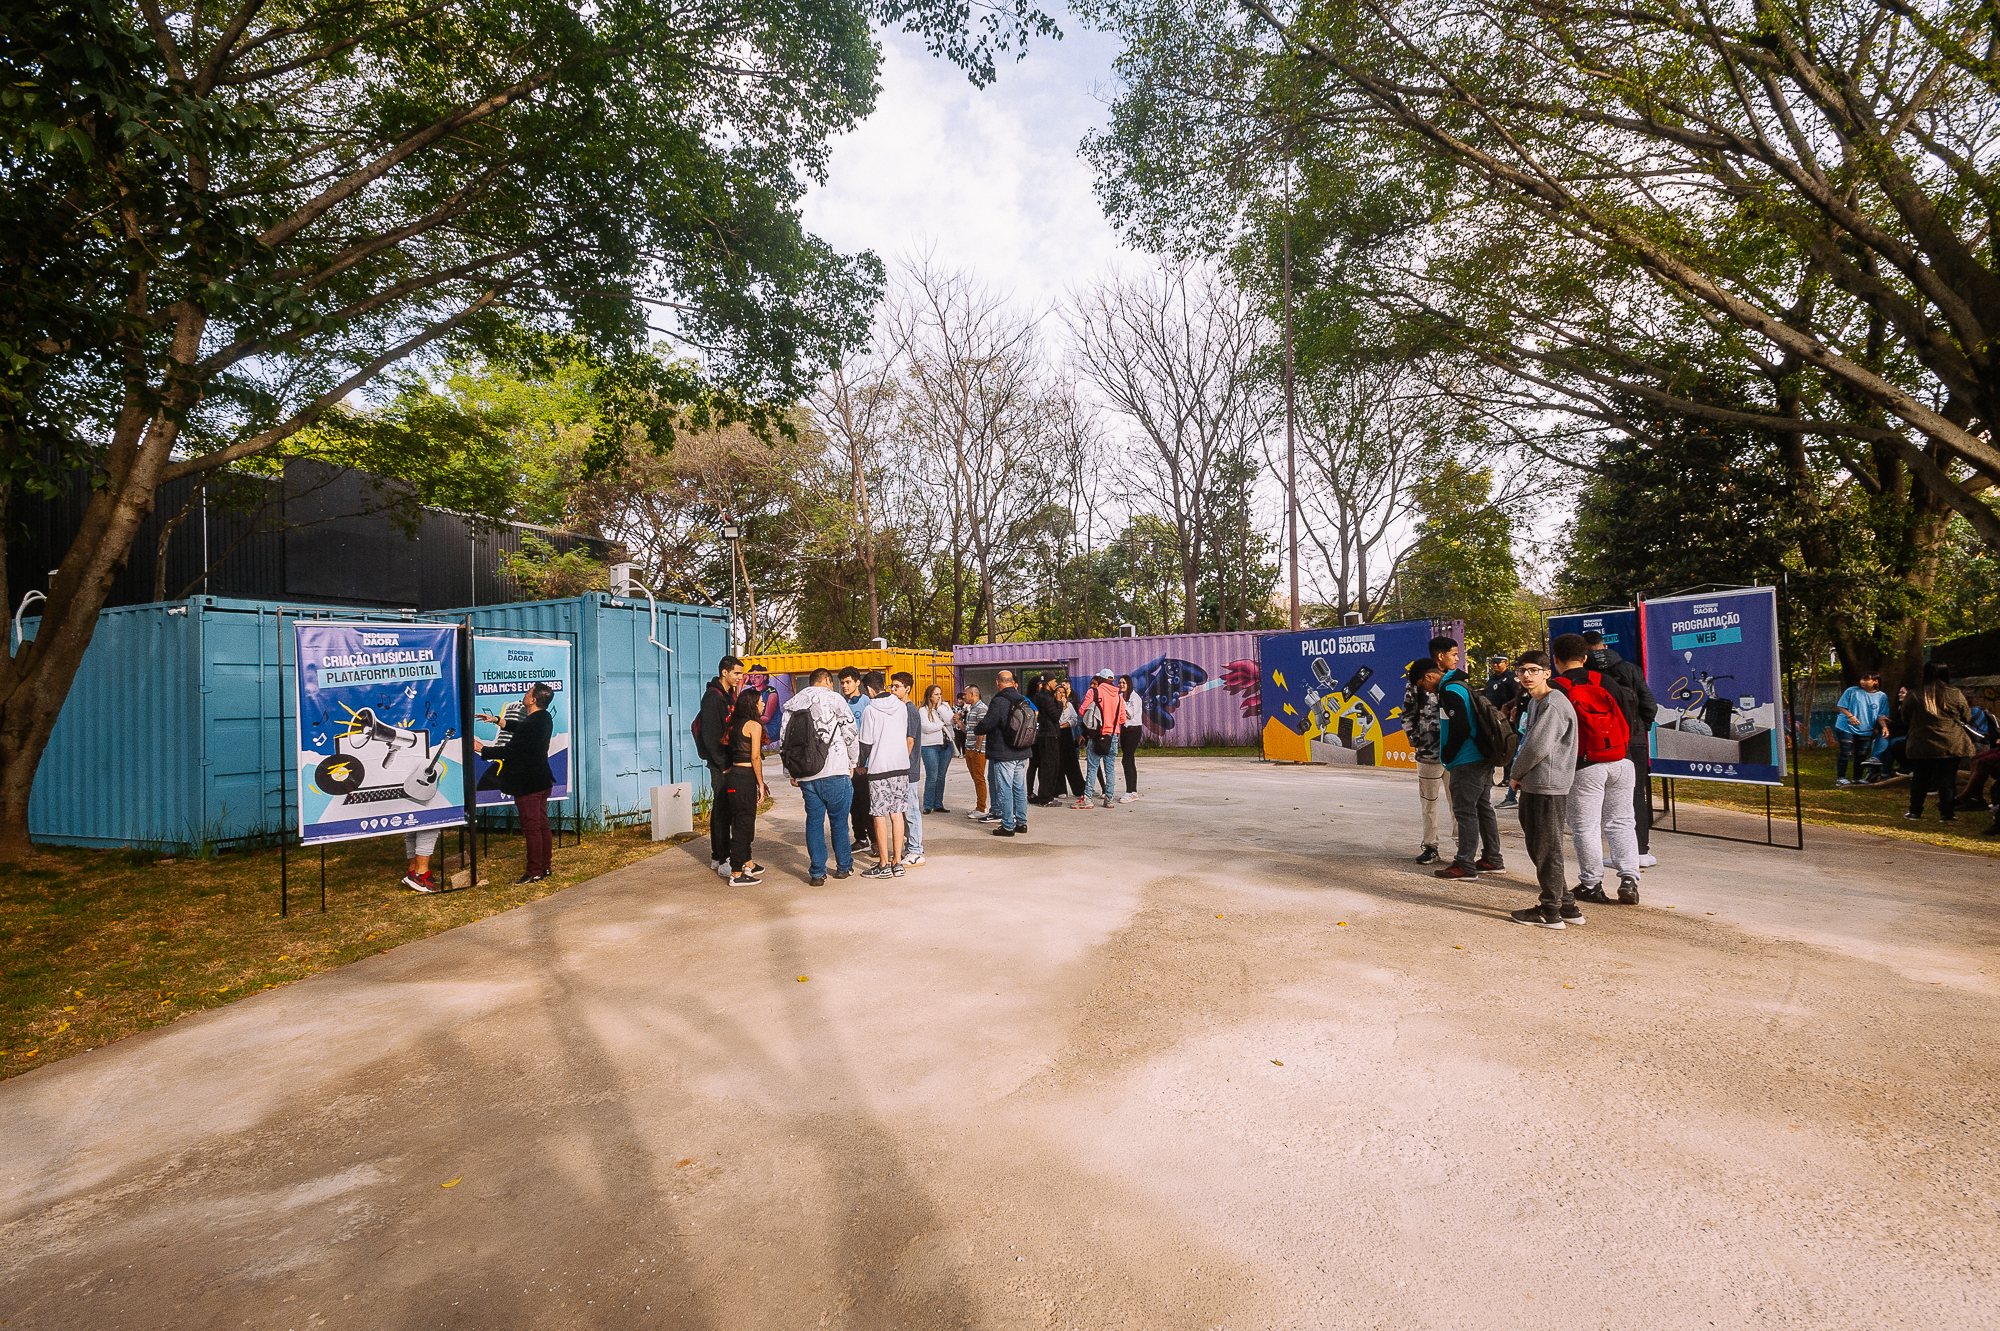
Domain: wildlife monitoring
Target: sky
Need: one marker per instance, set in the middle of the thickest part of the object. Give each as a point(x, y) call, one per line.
point(990, 178)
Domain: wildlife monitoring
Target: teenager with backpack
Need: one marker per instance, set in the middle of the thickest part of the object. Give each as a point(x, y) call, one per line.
point(1645, 708)
point(820, 749)
point(1101, 721)
point(1011, 725)
point(1544, 770)
point(1600, 798)
point(1470, 740)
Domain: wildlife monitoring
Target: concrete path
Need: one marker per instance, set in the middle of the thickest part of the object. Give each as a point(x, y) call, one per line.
point(1221, 1058)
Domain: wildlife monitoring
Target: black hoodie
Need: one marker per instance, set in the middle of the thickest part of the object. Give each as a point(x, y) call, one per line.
point(714, 719)
point(1613, 666)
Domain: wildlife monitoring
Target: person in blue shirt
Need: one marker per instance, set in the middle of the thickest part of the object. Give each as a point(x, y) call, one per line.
point(1862, 712)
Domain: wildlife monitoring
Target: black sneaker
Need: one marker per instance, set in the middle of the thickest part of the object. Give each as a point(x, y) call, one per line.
point(1533, 915)
point(1628, 891)
point(1003, 831)
point(841, 873)
point(816, 882)
point(1593, 893)
point(524, 879)
point(1021, 829)
point(745, 879)
point(895, 871)
point(877, 871)
point(1572, 915)
point(1430, 855)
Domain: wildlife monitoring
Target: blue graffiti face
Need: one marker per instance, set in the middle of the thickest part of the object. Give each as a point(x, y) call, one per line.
point(1161, 683)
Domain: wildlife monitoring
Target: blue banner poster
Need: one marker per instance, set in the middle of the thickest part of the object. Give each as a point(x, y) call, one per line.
point(1336, 695)
point(379, 729)
point(1619, 627)
point(1712, 661)
point(502, 670)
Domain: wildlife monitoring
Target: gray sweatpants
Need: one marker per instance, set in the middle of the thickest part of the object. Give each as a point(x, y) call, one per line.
point(1543, 822)
point(1600, 811)
point(1430, 790)
point(1472, 810)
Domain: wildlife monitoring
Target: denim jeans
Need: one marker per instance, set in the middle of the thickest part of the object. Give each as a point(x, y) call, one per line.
point(1008, 783)
point(1103, 769)
point(913, 823)
point(937, 761)
point(828, 798)
point(1853, 748)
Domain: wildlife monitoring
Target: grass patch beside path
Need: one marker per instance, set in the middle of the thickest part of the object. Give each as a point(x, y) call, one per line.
point(1875, 809)
point(1201, 751)
point(100, 944)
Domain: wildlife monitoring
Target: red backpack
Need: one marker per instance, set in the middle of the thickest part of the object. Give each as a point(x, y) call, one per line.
point(1602, 733)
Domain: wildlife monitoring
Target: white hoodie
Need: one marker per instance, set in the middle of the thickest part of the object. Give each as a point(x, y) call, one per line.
point(885, 728)
point(834, 723)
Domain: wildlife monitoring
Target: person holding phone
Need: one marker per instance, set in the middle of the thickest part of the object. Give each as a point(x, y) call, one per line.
point(525, 775)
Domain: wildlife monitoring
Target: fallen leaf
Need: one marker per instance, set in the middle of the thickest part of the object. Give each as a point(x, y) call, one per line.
point(1569, 986)
point(30, 1053)
point(1711, 912)
point(60, 1029)
point(1670, 908)
point(1218, 917)
point(1459, 946)
point(682, 1164)
point(1275, 1063)
point(1340, 924)
point(802, 979)
point(454, 1183)
point(284, 958)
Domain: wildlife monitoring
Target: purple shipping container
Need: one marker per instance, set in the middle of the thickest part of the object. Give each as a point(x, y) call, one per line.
point(1199, 688)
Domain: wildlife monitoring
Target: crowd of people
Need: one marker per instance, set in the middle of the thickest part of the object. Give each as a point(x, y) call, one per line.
point(1926, 735)
point(870, 760)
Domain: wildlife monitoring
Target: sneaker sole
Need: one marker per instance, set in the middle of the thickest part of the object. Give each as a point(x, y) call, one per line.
point(1545, 924)
point(1572, 919)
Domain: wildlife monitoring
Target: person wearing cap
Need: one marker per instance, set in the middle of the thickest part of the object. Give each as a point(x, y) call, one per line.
point(1504, 692)
point(1101, 721)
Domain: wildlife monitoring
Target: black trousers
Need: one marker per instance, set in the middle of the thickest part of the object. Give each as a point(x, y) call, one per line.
point(1642, 796)
point(740, 787)
point(1048, 768)
point(1939, 774)
point(720, 814)
point(1072, 764)
point(1128, 749)
point(864, 822)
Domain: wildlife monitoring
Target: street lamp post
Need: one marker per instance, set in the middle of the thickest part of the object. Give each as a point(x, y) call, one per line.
point(732, 533)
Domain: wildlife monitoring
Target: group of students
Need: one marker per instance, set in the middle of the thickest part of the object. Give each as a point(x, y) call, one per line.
point(1569, 738)
point(870, 762)
point(1929, 731)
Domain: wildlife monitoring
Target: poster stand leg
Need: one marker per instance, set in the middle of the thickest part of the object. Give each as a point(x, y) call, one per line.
point(284, 788)
point(322, 880)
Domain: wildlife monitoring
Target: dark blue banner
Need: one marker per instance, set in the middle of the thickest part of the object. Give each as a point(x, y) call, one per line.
point(1619, 627)
point(1340, 689)
point(1712, 661)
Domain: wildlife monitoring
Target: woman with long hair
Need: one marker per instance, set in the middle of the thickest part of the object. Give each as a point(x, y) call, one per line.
point(937, 721)
point(1128, 742)
point(1939, 739)
point(1071, 726)
point(743, 784)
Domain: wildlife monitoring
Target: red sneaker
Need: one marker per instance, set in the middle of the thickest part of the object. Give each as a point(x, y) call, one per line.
point(1488, 866)
point(1455, 870)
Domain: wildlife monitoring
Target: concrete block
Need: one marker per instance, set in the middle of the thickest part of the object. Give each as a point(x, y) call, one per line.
point(673, 810)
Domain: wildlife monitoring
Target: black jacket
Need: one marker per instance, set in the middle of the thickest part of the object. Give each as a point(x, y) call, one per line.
point(714, 719)
point(1050, 733)
point(1645, 706)
point(994, 726)
point(524, 757)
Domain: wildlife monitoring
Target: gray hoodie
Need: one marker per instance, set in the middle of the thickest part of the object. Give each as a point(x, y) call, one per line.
point(1545, 764)
point(834, 722)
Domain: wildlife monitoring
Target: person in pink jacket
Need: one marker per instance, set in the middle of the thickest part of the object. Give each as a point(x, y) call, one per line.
point(1102, 715)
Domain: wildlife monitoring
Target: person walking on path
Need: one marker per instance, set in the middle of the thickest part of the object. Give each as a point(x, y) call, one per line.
point(713, 719)
point(887, 750)
point(971, 711)
point(1600, 798)
point(939, 722)
point(1100, 723)
point(829, 792)
point(1504, 694)
point(1469, 760)
point(1646, 707)
point(1939, 740)
point(525, 775)
point(855, 693)
point(1544, 770)
point(1071, 725)
point(1863, 709)
point(904, 686)
point(1128, 738)
point(743, 785)
point(1420, 723)
point(1006, 763)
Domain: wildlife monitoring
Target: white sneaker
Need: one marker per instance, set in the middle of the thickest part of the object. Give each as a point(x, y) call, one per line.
point(976, 815)
point(911, 863)
point(1127, 797)
point(1647, 861)
point(721, 867)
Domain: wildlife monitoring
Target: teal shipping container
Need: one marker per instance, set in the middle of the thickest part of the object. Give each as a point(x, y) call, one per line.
point(180, 728)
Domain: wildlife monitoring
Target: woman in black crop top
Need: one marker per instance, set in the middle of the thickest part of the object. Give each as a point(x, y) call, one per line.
point(743, 784)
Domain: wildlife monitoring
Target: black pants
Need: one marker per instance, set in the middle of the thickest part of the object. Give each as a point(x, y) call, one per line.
point(720, 815)
point(1128, 748)
point(1544, 821)
point(1939, 774)
point(1072, 764)
point(1642, 797)
point(1048, 768)
point(739, 785)
point(864, 822)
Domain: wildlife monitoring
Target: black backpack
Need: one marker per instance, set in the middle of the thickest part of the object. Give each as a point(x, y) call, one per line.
point(802, 749)
point(1023, 724)
point(1489, 731)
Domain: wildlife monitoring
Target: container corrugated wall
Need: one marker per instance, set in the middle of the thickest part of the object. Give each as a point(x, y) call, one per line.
point(1201, 688)
point(634, 703)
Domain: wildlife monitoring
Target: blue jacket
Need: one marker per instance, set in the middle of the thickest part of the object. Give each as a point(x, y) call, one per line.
point(1458, 732)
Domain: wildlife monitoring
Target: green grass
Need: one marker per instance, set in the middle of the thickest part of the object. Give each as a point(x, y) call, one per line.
point(1874, 809)
point(101, 944)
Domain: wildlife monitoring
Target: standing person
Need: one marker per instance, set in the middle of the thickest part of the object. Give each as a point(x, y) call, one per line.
point(855, 693)
point(1600, 798)
point(1445, 652)
point(1048, 744)
point(1611, 665)
point(418, 847)
point(716, 703)
point(1128, 738)
point(1071, 724)
point(970, 713)
point(757, 679)
point(525, 775)
point(1420, 722)
point(1544, 770)
point(828, 792)
point(743, 784)
point(1006, 763)
point(938, 723)
point(1504, 695)
point(1100, 723)
point(887, 750)
point(1862, 710)
point(904, 685)
point(1937, 741)
point(1469, 760)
